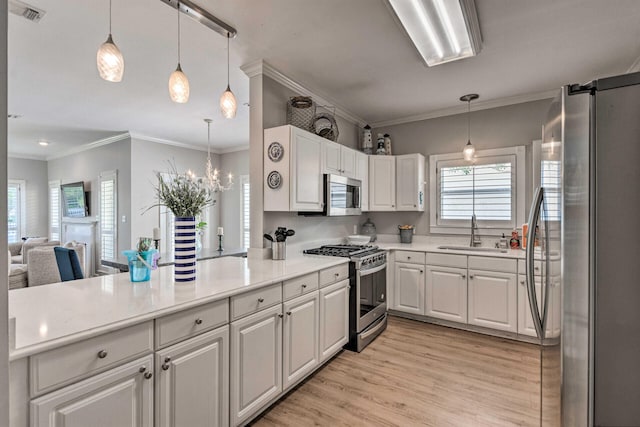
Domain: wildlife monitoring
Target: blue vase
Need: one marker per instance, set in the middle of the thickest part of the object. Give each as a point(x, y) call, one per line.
point(184, 257)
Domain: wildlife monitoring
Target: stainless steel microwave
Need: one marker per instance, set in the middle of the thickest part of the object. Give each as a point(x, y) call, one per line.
point(342, 196)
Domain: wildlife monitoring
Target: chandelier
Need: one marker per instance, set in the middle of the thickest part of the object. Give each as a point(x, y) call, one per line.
point(212, 177)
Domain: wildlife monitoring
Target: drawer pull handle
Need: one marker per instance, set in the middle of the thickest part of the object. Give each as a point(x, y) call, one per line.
point(102, 354)
point(304, 286)
point(280, 315)
point(288, 313)
point(260, 299)
point(148, 375)
point(198, 321)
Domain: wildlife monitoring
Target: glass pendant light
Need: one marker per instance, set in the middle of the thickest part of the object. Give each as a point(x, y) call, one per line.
point(228, 103)
point(469, 150)
point(109, 58)
point(178, 81)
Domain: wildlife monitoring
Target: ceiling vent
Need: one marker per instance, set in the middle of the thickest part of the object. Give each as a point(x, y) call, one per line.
point(31, 13)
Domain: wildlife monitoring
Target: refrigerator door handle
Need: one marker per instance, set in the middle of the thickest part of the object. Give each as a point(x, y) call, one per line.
point(534, 214)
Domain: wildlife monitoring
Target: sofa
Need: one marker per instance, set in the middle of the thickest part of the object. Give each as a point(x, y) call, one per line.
point(41, 268)
point(20, 250)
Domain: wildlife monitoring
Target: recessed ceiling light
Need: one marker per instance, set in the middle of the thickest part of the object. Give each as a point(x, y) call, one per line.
point(43, 143)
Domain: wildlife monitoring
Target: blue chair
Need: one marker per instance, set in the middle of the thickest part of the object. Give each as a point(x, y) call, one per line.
point(68, 264)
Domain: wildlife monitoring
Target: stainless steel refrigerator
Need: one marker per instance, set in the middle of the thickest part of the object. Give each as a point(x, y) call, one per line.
point(587, 215)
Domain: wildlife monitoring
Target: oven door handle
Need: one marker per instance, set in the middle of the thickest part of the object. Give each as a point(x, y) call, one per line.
point(373, 270)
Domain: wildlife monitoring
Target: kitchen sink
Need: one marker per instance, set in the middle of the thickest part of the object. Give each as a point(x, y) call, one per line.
point(471, 249)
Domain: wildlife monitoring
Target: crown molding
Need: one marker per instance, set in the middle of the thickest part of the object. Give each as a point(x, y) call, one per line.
point(261, 67)
point(26, 156)
point(635, 66)
point(168, 142)
point(232, 149)
point(476, 106)
point(89, 146)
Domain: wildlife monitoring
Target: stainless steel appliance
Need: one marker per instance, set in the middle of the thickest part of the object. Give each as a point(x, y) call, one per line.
point(368, 293)
point(590, 214)
point(342, 196)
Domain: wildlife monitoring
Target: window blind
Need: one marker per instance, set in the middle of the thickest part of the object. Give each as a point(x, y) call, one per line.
point(246, 211)
point(550, 179)
point(485, 189)
point(14, 213)
point(54, 210)
point(108, 215)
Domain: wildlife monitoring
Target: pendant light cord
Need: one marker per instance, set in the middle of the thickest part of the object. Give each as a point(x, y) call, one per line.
point(228, 36)
point(469, 120)
point(209, 140)
point(109, 17)
point(178, 32)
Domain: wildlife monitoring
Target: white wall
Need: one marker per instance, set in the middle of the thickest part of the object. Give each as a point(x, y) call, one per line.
point(147, 158)
point(231, 200)
point(87, 165)
point(508, 126)
point(308, 229)
point(35, 175)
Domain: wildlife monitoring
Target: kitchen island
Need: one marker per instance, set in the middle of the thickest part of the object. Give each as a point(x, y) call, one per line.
point(83, 346)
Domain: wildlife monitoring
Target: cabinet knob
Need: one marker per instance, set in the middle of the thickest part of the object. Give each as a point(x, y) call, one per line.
point(408, 257)
point(522, 282)
point(421, 271)
point(142, 369)
point(148, 375)
point(198, 321)
point(415, 206)
point(288, 313)
point(471, 276)
point(393, 206)
point(464, 276)
point(102, 354)
point(280, 315)
point(337, 274)
point(304, 286)
point(536, 268)
point(260, 299)
point(166, 365)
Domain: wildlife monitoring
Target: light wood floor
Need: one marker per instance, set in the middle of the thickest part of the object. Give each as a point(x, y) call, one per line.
point(419, 374)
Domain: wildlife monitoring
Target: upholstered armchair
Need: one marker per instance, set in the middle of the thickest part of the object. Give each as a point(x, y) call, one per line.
point(29, 245)
point(15, 251)
point(42, 267)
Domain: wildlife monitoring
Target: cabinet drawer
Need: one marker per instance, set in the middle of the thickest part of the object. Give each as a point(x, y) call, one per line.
point(537, 267)
point(334, 274)
point(251, 302)
point(412, 257)
point(176, 327)
point(486, 263)
point(73, 362)
point(299, 286)
point(446, 260)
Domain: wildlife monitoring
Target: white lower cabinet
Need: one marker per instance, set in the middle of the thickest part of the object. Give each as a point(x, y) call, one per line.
point(301, 329)
point(525, 319)
point(119, 397)
point(493, 300)
point(256, 362)
point(408, 290)
point(334, 318)
point(193, 381)
point(446, 293)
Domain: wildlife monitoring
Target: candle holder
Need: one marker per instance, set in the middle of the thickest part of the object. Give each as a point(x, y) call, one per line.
point(156, 243)
point(220, 249)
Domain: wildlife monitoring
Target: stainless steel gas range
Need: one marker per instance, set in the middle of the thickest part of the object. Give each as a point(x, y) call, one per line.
point(368, 293)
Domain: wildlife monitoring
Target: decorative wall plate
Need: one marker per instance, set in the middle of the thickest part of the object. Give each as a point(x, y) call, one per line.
point(275, 151)
point(274, 180)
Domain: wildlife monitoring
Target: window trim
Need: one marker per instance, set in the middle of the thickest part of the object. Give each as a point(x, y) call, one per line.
point(462, 227)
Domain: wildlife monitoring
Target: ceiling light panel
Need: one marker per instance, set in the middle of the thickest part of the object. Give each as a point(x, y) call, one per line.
point(441, 30)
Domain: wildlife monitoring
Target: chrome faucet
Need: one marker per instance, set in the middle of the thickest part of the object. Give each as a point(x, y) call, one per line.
point(475, 238)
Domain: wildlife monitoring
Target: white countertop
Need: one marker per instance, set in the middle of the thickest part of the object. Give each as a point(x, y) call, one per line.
point(52, 315)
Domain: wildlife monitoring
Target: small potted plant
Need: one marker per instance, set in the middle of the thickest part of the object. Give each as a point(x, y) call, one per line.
point(186, 197)
point(142, 260)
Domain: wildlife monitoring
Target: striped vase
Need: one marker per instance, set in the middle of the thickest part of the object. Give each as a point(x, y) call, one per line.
point(185, 249)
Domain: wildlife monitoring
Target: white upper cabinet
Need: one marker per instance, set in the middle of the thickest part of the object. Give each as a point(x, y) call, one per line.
point(410, 173)
point(362, 173)
point(292, 170)
point(382, 183)
point(338, 159)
